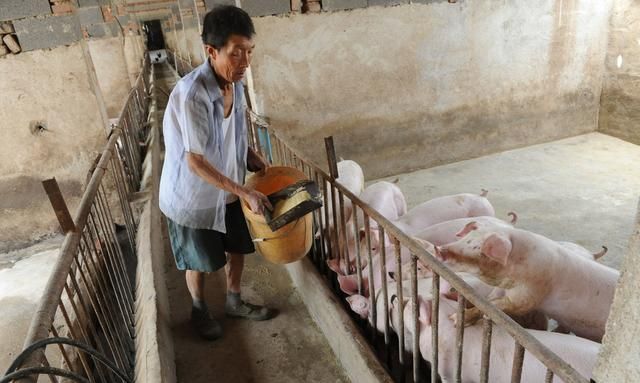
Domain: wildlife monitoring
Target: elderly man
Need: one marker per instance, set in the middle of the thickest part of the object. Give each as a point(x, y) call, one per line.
point(207, 154)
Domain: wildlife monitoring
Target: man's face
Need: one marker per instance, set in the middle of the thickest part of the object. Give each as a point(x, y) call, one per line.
point(232, 60)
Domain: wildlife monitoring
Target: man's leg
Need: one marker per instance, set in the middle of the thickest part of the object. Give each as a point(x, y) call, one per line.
point(234, 305)
point(235, 264)
point(205, 326)
point(195, 284)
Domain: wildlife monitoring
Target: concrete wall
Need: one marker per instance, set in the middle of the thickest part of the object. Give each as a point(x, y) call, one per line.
point(414, 86)
point(111, 68)
point(620, 102)
point(134, 47)
point(619, 359)
point(54, 87)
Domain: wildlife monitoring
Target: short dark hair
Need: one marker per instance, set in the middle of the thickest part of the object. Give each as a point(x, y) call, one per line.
point(222, 22)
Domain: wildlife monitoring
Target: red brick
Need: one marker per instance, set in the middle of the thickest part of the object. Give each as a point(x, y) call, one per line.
point(312, 6)
point(296, 5)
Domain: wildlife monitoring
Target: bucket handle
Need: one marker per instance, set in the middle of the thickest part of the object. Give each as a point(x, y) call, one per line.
point(280, 236)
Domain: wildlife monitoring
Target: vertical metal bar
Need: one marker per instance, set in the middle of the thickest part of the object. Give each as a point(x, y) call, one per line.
point(331, 157)
point(518, 358)
point(335, 247)
point(117, 260)
point(327, 227)
point(435, 315)
point(100, 287)
point(342, 233)
point(487, 329)
point(399, 293)
point(416, 327)
point(356, 237)
point(82, 320)
point(98, 308)
point(383, 281)
point(45, 363)
point(101, 343)
point(71, 330)
point(459, 337)
point(548, 378)
point(372, 292)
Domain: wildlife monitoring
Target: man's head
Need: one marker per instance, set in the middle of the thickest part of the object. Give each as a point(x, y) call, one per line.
point(227, 35)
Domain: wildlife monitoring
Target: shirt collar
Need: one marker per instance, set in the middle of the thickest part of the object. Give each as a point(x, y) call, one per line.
point(210, 81)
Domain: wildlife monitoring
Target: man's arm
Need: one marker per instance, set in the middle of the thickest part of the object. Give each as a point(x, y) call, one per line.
point(200, 166)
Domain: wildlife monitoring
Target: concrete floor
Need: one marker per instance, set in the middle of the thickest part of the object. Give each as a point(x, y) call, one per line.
point(23, 276)
point(288, 348)
point(582, 189)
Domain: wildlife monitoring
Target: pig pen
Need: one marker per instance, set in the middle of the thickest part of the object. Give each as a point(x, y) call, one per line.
point(564, 190)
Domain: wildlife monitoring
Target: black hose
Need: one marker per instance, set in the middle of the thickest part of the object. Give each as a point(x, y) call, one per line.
point(23, 373)
point(44, 342)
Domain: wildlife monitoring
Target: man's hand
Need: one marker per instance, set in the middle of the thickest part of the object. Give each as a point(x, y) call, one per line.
point(255, 162)
point(257, 201)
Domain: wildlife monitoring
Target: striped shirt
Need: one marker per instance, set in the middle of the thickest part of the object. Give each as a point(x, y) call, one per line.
point(193, 123)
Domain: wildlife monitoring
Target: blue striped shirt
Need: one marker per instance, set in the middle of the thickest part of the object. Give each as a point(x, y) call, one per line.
point(193, 123)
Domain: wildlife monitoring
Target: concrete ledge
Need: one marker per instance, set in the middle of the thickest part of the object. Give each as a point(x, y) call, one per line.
point(350, 347)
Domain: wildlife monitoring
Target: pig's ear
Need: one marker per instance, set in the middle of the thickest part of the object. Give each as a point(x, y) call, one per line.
point(471, 226)
point(497, 247)
point(348, 284)
point(424, 311)
point(360, 305)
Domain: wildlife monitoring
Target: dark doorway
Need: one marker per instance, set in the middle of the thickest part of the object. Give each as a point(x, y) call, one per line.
point(153, 30)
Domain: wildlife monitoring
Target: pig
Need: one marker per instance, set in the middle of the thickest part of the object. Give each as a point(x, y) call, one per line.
point(387, 199)
point(580, 353)
point(579, 250)
point(536, 273)
point(444, 209)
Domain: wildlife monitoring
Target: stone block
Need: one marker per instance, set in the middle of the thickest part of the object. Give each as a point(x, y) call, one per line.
point(98, 31)
point(209, 4)
point(11, 43)
point(62, 8)
point(6, 28)
point(90, 15)
point(88, 3)
point(339, 5)
point(296, 5)
point(258, 8)
point(386, 3)
point(312, 7)
point(18, 9)
point(48, 32)
point(3, 50)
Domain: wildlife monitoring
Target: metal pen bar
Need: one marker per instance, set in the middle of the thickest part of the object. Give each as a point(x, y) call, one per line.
point(487, 329)
point(399, 294)
point(383, 284)
point(342, 232)
point(416, 327)
point(334, 227)
point(116, 262)
point(372, 292)
point(356, 235)
point(459, 337)
point(435, 317)
point(548, 377)
point(73, 334)
point(518, 359)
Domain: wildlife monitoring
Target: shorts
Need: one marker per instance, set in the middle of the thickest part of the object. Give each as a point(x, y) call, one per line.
point(203, 249)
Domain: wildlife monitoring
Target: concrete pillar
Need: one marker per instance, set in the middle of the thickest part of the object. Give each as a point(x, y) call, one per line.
point(619, 359)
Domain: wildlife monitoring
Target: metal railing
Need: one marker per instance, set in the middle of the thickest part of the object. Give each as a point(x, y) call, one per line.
point(84, 326)
point(390, 347)
point(178, 63)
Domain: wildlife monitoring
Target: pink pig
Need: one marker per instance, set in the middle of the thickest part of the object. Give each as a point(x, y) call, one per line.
point(580, 353)
point(537, 274)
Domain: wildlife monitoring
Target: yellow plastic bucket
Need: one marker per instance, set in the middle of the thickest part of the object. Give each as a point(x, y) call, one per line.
point(292, 241)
